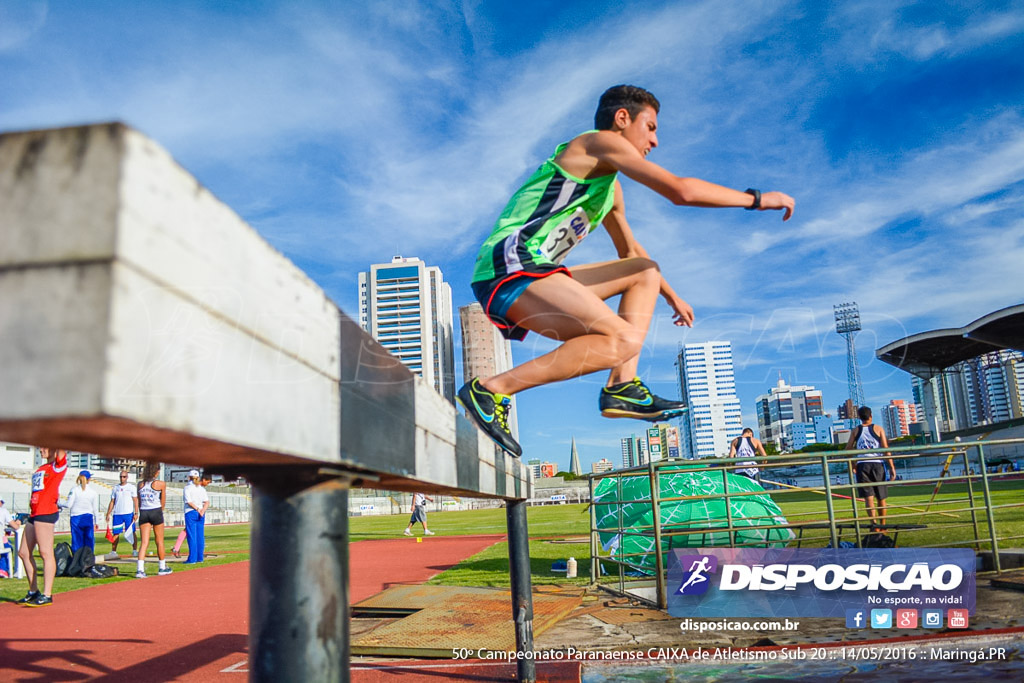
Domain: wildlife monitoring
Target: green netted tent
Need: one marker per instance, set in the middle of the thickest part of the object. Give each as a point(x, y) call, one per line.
point(751, 513)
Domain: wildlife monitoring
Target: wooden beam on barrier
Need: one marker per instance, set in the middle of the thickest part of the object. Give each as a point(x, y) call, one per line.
point(141, 317)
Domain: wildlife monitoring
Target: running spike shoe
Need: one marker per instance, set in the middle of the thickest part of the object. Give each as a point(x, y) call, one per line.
point(490, 412)
point(634, 399)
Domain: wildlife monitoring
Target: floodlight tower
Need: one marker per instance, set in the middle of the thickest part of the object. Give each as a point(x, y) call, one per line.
point(848, 324)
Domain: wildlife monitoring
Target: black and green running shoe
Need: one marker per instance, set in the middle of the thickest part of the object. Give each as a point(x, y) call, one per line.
point(31, 597)
point(490, 412)
point(41, 601)
point(634, 399)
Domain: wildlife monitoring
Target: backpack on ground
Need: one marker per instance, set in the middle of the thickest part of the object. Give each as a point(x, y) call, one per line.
point(62, 554)
point(101, 571)
point(81, 561)
point(877, 541)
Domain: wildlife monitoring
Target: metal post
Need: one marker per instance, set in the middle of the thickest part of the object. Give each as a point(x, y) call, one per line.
point(298, 595)
point(621, 548)
point(970, 497)
point(854, 497)
point(595, 571)
point(829, 506)
point(728, 509)
point(522, 595)
point(659, 560)
point(989, 512)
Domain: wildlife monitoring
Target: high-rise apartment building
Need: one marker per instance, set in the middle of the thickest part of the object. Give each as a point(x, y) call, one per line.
point(846, 410)
point(407, 307)
point(485, 352)
point(897, 418)
point(629, 452)
point(635, 452)
point(980, 391)
point(784, 404)
point(657, 442)
point(602, 465)
point(708, 387)
point(797, 435)
point(534, 466)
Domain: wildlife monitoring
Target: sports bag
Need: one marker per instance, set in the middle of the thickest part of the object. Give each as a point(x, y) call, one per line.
point(81, 561)
point(62, 554)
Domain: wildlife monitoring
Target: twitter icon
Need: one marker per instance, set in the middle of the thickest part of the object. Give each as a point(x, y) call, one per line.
point(881, 618)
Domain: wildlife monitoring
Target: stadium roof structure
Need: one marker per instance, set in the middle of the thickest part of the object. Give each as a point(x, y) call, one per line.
point(929, 353)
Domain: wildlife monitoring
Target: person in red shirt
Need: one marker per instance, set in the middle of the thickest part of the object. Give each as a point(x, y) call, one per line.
point(39, 530)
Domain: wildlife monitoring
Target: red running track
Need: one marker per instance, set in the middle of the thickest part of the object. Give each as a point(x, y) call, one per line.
point(189, 626)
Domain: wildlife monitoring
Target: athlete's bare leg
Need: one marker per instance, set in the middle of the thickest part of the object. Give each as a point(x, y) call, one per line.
point(636, 306)
point(28, 545)
point(572, 310)
point(869, 503)
point(44, 541)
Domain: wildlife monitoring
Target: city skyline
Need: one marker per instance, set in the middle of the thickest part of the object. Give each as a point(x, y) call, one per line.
point(346, 134)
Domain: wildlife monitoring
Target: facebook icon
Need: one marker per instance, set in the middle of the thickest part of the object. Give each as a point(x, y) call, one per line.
point(855, 618)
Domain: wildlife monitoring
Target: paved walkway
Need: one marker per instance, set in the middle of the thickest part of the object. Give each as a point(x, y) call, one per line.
point(189, 626)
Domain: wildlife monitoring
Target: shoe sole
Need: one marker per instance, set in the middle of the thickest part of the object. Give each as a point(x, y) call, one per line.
point(481, 425)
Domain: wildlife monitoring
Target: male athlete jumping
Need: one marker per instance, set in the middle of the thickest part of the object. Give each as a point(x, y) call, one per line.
point(522, 285)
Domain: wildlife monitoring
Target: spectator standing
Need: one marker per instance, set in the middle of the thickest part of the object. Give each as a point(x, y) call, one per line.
point(84, 508)
point(8, 525)
point(43, 514)
point(747, 446)
point(195, 507)
point(152, 498)
point(870, 468)
point(204, 481)
point(124, 507)
point(419, 513)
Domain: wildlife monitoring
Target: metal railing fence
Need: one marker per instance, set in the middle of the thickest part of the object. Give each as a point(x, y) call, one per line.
point(968, 505)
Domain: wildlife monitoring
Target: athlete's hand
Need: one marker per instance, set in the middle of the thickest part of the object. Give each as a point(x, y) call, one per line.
point(776, 201)
point(682, 312)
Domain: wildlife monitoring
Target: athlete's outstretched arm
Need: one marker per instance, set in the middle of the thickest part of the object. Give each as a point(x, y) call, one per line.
point(618, 153)
point(627, 247)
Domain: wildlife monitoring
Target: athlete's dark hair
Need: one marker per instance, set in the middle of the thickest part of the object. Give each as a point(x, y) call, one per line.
point(150, 471)
point(864, 413)
point(748, 430)
point(628, 97)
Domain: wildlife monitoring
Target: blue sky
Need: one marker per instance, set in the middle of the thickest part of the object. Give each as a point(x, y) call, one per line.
point(346, 133)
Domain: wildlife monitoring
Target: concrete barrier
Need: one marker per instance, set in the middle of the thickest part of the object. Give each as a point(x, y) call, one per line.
point(141, 317)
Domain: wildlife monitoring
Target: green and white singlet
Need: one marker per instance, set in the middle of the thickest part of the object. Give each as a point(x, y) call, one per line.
point(549, 215)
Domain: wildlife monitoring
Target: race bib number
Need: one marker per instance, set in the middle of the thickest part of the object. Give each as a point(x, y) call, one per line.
point(38, 481)
point(566, 235)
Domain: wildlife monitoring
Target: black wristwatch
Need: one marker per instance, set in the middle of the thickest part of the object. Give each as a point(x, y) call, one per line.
point(757, 198)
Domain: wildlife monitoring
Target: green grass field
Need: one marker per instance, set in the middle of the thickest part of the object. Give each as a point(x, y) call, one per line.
point(230, 543)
